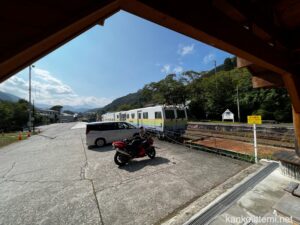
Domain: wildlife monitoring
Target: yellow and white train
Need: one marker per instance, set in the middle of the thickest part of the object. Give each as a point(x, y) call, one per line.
point(163, 120)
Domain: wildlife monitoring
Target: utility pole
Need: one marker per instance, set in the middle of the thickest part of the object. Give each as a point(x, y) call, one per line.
point(215, 62)
point(238, 103)
point(216, 79)
point(33, 114)
point(29, 103)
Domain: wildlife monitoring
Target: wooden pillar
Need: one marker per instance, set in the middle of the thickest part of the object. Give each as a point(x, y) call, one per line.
point(296, 119)
point(292, 83)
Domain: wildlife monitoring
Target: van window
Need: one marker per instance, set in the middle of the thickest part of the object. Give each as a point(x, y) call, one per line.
point(131, 126)
point(122, 126)
point(145, 115)
point(157, 115)
point(180, 114)
point(108, 126)
point(170, 114)
point(102, 126)
point(132, 115)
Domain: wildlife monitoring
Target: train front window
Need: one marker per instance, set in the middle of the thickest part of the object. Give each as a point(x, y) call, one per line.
point(170, 114)
point(180, 114)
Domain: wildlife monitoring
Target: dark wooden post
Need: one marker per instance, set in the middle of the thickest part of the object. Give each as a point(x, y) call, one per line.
point(296, 119)
point(292, 83)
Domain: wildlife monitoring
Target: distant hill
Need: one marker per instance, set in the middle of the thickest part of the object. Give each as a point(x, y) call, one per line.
point(130, 99)
point(8, 97)
point(76, 108)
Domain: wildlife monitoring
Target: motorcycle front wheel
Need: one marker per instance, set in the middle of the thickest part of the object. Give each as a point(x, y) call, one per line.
point(121, 159)
point(151, 152)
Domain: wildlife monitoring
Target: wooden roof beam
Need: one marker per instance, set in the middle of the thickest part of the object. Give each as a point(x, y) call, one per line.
point(29, 55)
point(261, 77)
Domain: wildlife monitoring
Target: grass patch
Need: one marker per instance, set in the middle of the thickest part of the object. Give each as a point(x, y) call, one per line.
point(8, 138)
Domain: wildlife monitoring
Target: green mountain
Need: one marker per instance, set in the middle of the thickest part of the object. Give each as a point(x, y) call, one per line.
point(126, 102)
point(8, 97)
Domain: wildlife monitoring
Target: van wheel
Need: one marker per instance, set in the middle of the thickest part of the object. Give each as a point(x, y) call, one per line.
point(100, 142)
point(160, 136)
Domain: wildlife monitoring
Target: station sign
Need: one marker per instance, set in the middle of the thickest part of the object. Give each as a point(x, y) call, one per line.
point(254, 119)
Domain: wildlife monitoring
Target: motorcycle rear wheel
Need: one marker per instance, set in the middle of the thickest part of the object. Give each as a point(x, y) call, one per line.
point(120, 159)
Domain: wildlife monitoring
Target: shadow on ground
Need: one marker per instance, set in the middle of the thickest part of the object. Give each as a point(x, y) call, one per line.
point(105, 148)
point(135, 165)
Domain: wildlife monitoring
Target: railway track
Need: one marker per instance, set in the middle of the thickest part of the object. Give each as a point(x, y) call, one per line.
point(269, 139)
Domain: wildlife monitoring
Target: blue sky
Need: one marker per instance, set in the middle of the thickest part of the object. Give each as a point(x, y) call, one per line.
point(113, 60)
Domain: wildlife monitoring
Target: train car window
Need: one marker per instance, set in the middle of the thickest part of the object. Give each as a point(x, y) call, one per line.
point(127, 116)
point(180, 114)
point(140, 115)
point(157, 115)
point(123, 116)
point(132, 115)
point(117, 116)
point(170, 114)
point(145, 115)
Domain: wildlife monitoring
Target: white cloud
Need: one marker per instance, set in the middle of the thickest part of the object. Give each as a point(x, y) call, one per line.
point(209, 58)
point(47, 89)
point(178, 69)
point(166, 68)
point(185, 50)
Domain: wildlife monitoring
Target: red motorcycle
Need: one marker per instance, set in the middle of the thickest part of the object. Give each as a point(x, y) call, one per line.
point(137, 148)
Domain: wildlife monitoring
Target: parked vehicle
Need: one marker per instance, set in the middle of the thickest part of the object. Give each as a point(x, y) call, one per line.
point(102, 133)
point(161, 119)
point(137, 148)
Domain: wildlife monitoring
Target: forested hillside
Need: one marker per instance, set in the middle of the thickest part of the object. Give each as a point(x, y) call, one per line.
point(8, 97)
point(209, 94)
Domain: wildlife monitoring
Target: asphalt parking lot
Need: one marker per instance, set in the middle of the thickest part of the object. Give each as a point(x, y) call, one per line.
point(53, 178)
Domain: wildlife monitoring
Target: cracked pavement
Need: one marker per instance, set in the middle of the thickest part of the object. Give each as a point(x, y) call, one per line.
point(53, 178)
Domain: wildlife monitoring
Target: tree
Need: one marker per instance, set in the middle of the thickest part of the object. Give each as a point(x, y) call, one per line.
point(124, 107)
point(228, 64)
point(190, 76)
point(57, 108)
point(13, 116)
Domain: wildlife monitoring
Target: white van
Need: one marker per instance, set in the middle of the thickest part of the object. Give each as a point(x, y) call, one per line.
point(101, 133)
